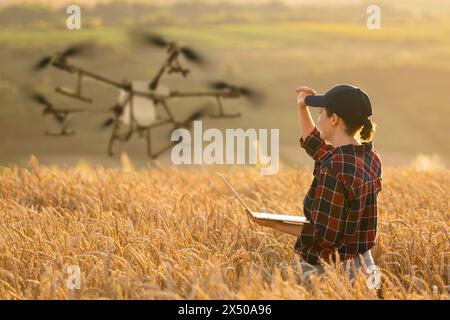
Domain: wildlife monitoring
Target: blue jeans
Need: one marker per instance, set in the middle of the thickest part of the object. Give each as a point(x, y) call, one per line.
point(350, 266)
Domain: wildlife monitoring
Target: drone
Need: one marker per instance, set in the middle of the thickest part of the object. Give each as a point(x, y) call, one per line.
point(136, 107)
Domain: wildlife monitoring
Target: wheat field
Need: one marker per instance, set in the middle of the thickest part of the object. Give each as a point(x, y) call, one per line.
point(169, 233)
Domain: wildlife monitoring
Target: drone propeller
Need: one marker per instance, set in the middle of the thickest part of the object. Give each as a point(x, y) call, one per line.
point(158, 41)
point(117, 109)
point(196, 115)
point(107, 123)
point(42, 63)
point(71, 51)
point(192, 55)
point(77, 49)
point(254, 96)
point(147, 38)
point(40, 99)
point(220, 85)
point(49, 108)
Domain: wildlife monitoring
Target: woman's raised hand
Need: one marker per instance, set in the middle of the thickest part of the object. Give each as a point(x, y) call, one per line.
point(303, 92)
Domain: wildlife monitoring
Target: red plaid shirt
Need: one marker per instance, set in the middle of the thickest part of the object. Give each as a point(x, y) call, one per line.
point(341, 203)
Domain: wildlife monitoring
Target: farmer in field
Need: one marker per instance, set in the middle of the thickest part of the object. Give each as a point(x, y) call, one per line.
point(341, 203)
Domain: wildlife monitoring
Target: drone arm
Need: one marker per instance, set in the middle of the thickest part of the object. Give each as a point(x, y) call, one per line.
point(158, 76)
point(82, 72)
point(223, 94)
point(100, 78)
point(166, 64)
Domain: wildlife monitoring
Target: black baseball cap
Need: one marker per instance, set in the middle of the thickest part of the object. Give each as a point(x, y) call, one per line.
point(349, 102)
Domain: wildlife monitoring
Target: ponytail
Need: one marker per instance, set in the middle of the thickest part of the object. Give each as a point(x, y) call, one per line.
point(367, 131)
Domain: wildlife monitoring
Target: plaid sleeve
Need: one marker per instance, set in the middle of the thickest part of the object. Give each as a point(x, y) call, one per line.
point(314, 145)
point(323, 235)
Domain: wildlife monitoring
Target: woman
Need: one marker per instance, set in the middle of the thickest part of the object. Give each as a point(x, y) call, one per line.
point(341, 203)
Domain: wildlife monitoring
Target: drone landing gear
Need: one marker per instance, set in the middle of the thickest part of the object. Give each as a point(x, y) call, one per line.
point(222, 114)
point(113, 136)
point(77, 94)
point(63, 122)
point(178, 69)
point(149, 139)
point(141, 133)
